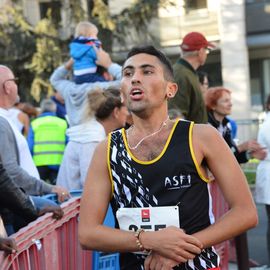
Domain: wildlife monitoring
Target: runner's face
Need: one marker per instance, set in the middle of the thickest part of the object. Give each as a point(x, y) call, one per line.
point(143, 84)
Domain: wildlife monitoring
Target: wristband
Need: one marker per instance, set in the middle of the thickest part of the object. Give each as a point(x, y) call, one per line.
point(139, 243)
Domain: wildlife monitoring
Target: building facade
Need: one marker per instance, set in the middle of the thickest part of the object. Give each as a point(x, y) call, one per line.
point(240, 29)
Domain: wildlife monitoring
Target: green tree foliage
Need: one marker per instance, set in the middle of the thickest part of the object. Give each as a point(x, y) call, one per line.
point(77, 12)
point(101, 13)
point(16, 35)
point(33, 53)
point(46, 58)
point(131, 22)
point(17, 44)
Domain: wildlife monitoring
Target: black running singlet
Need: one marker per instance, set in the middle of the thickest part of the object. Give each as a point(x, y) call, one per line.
point(173, 178)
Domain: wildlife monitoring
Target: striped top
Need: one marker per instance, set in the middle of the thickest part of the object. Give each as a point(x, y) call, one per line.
point(172, 178)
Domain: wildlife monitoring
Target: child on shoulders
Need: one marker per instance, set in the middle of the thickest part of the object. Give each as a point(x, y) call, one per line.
point(83, 51)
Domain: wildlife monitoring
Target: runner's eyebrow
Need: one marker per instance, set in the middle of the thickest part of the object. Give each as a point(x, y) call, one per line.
point(146, 66)
point(128, 67)
point(142, 66)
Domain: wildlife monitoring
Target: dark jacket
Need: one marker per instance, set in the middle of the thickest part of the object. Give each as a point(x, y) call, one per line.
point(10, 158)
point(14, 199)
point(60, 108)
point(188, 99)
point(240, 156)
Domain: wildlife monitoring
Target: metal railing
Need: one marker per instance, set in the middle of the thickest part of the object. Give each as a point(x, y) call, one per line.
point(47, 244)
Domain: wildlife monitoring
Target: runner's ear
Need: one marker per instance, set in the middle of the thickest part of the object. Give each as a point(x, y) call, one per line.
point(171, 89)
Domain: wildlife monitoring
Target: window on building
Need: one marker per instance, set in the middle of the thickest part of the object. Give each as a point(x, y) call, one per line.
point(195, 4)
point(266, 79)
point(214, 73)
point(55, 7)
point(256, 82)
point(256, 1)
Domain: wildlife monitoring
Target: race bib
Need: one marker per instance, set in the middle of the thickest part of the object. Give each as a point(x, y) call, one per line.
point(148, 218)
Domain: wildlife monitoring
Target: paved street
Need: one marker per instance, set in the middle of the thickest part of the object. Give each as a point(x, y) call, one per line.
point(257, 240)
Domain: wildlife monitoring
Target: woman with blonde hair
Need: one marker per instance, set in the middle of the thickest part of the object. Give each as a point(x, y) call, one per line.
point(104, 112)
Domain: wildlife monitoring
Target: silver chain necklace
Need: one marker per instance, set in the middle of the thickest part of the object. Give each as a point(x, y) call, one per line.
point(164, 123)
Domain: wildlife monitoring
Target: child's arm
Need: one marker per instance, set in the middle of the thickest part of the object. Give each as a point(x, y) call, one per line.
point(104, 60)
point(69, 64)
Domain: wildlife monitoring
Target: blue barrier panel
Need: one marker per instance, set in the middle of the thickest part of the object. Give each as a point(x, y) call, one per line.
point(103, 261)
point(53, 196)
point(109, 219)
point(106, 261)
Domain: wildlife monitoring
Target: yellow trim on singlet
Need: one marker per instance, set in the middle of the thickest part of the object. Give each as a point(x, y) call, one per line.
point(159, 156)
point(193, 154)
point(108, 161)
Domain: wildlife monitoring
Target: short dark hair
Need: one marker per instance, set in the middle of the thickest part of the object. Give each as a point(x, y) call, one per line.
point(167, 67)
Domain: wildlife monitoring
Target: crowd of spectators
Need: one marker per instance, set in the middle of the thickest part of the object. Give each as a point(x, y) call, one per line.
point(48, 150)
point(39, 145)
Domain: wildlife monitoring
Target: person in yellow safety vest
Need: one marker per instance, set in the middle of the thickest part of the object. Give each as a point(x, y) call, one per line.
point(47, 141)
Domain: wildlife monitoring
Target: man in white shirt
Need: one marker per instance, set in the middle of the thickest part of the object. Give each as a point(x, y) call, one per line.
point(14, 151)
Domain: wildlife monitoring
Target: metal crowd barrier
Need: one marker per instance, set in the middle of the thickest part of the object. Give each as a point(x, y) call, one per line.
point(47, 244)
point(220, 207)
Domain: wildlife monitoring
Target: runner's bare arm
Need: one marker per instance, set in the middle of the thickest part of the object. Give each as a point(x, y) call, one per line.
point(230, 178)
point(94, 204)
